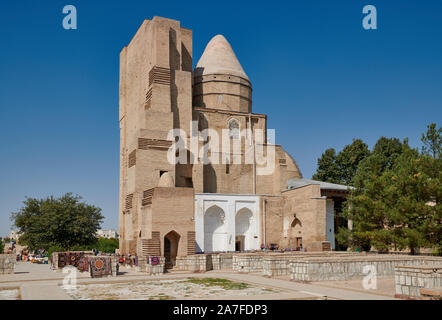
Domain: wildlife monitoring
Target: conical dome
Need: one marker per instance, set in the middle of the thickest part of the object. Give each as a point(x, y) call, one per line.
point(219, 58)
point(219, 81)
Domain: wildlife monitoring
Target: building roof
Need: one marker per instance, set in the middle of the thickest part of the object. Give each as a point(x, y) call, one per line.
point(219, 58)
point(297, 183)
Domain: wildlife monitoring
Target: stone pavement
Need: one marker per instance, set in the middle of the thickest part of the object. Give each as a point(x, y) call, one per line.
point(39, 282)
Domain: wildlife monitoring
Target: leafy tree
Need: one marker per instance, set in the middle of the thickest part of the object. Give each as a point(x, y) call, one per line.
point(2, 246)
point(327, 167)
point(432, 141)
point(341, 168)
point(349, 158)
point(63, 222)
point(388, 150)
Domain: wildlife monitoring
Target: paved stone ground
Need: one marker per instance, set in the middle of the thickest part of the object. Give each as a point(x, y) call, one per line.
point(166, 289)
point(384, 286)
point(38, 282)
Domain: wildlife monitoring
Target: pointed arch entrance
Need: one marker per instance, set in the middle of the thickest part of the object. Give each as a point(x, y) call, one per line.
point(243, 221)
point(171, 241)
point(295, 235)
point(214, 229)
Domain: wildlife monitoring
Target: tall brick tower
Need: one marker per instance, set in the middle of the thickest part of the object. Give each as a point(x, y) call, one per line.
point(155, 97)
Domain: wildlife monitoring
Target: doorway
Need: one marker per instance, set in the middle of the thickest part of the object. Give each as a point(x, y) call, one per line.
point(239, 243)
point(299, 242)
point(171, 241)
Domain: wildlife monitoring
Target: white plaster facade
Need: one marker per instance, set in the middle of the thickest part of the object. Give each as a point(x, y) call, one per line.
point(225, 221)
point(330, 222)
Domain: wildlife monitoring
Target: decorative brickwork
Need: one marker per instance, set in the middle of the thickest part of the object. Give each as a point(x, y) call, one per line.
point(190, 242)
point(145, 144)
point(147, 197)
point(129, 201)
point(159, 75)
point(132, 158)
point(148, 102)
point(151, 247)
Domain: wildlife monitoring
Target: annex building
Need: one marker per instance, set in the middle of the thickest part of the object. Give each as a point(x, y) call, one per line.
point(175, 209)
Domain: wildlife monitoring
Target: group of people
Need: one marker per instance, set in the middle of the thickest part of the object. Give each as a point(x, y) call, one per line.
point(127, 260)
point(275, 247)
point(36, 258)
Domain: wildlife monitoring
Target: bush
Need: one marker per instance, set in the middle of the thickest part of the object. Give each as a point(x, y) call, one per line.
point(54, 249)
point(107, 245)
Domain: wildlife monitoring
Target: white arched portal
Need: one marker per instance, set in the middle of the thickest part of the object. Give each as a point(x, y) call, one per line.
point(243, 230)
point(215, 232)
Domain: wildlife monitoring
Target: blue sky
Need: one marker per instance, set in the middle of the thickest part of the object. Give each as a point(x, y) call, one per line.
point(318, 75)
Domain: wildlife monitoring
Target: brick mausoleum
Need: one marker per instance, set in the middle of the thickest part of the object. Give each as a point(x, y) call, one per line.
point(175, 209)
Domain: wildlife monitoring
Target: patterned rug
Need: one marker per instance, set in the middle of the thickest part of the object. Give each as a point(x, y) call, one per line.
point(153, 260)
point(100, 266)
point(76, 259)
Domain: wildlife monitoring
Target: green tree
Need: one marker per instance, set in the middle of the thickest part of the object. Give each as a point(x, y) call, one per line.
point(327, 167)
point(64, 222)
point(413, 202)
point(2, 246)
point(388, 150)
point(349, 158)
point(396, 200)
point(341, 168)
point(432, 141)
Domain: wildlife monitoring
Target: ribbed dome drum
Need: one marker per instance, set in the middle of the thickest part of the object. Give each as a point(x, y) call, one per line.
point(219, 79)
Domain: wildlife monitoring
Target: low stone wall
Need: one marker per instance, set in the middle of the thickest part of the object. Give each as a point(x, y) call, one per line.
point(205, 262)
point(7, 263)
point(352, 267)
point(279, 264)
point(247, 263)
point(410, 279)
point(276, 265)
point(154, 269)
point(195, 263)
point(222, 261)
